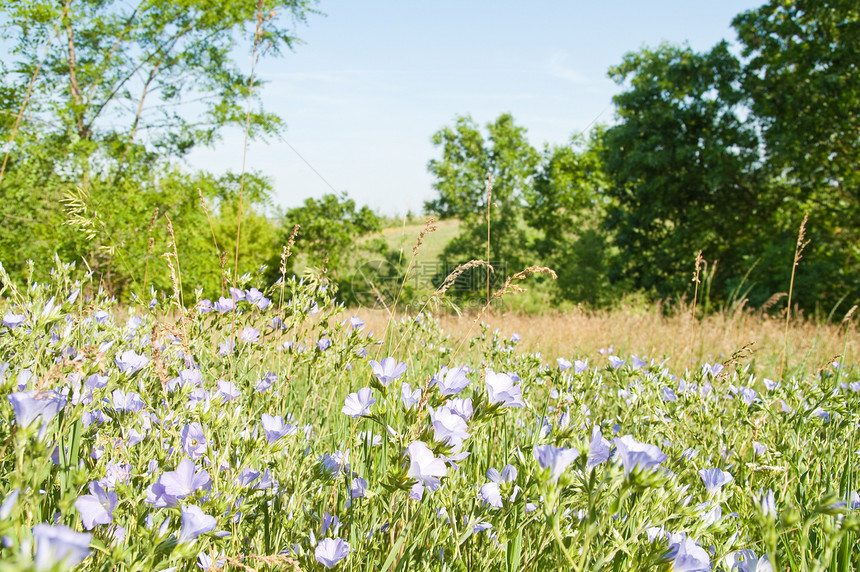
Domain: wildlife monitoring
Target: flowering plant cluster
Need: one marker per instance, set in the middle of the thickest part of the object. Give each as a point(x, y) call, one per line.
point(271, 429)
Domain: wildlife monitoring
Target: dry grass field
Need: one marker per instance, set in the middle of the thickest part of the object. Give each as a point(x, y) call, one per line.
point(649, 333)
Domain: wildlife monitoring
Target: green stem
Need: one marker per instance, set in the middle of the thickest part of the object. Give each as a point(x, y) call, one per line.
point(557, 533)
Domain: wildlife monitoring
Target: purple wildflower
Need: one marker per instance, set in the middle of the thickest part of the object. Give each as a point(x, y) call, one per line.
point(410, 398)
point(193, 440)
point(31, 404)
point(599, 449)
point(12, 321)
point(388, 370)
point(555, 459)
point(96, 507)
point(448, 427)
point(249, 335)
point(185, 480)
point(714, 479)
point(501, 390)
point(57, 544)
point(452, 381)
point(330, 551)
point(687, 555)
point(358, 404)
point(130, 401)
point(266, 382)
point(224, 305)
point(194, 523)
point(275, 428)
point(634, 454)
point(424, 467)
point(227, 391)
point(462, 407)
point(357, 488)
point(130, 361)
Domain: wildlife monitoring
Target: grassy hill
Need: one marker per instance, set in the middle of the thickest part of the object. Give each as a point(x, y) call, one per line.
point(405, 236)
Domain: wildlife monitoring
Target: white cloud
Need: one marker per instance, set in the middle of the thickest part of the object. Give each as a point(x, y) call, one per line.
point(557, 68)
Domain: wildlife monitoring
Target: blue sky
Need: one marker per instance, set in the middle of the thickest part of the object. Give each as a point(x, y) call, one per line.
point(374, 80)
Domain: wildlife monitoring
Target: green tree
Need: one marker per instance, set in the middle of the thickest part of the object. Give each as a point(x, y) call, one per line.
point(683, 169)
point(803, 84)
point(566, 205)
point(116, 94)
point(331, 229)
point(468, 158)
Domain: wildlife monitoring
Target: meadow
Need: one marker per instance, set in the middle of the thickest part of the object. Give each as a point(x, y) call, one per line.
point(274, 429)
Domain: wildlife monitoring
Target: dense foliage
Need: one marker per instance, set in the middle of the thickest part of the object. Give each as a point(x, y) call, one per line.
point(723, 151)
point(710, 152)
point(267, 430)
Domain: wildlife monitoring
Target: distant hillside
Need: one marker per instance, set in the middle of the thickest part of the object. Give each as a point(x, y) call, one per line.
point(404, 238)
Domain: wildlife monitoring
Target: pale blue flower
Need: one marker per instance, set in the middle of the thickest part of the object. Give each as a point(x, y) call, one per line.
point(580, 366)
point(266, 382)
point(330, 551)
point(424, 466)
point(227, 391)
point(669, 394)
point(448, 427)
point(357, 488)
point(634, 454)
point(275, 427)
point(555, 459)
point(715, 479)
point(563, 364)
point(615, 362)
point(194, 523)
point(12, 321)
point(28, 405)
point(687, 555)
point(462, 407)
point(388, 370)
point(767, 504)
point(9, 503)
point(130, 361)
point(747, 561)
point(185, 480)
point(490, 493)
point(598, 452)
point(59, 545)
point(96, 507)
point(501, 390)
point(127, 401)
point(452, 381)
point(193, 440)
point(358, 404)
point(410, 398)
point(224, 305)
point(249, 335)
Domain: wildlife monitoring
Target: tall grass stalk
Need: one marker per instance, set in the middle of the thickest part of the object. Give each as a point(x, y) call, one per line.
point(798, 254)
point(696, 281)
point(489, 206)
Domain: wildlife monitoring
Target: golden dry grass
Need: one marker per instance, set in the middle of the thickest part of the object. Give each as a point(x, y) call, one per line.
point(648, 332)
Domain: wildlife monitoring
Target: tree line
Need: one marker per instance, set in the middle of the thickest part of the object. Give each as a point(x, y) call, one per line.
point(715, 151)
point(722, 151)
